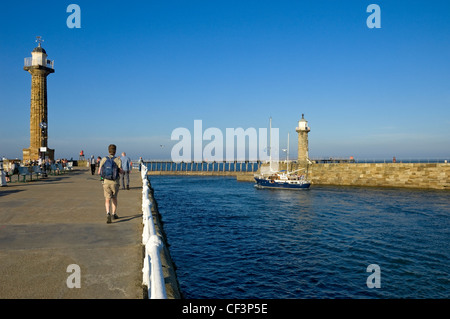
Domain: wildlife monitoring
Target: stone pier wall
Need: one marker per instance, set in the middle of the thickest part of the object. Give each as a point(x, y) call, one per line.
point(410, 175)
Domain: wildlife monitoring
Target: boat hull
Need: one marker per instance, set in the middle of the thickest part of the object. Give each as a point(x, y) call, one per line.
point(264, 183)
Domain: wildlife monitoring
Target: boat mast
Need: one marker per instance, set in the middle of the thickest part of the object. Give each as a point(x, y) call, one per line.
point(270, 144)
point(287, 157)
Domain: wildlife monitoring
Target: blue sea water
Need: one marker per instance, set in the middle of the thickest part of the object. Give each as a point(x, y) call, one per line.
point(231, 240)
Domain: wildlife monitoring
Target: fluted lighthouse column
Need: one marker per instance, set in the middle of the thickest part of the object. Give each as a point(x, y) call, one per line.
point(39, 68)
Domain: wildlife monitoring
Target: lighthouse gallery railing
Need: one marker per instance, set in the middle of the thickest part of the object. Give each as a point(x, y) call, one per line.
point(29, 62)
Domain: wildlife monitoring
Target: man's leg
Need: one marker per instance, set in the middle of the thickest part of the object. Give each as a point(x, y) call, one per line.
point(113, 205)
point(110, 192)
point(122, 180)
point(107, 205)
point(128, 179)
point(114, 201)
point(108, 212)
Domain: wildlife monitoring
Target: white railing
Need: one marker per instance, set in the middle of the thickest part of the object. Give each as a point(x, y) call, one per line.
point(153, 276)
point(29, 62)
point(50, 64)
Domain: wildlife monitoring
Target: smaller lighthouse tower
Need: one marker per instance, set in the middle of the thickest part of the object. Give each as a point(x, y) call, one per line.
point(303, 130)
point(39, 68)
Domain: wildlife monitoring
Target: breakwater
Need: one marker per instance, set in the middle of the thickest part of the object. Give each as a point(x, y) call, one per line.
point(405, 175)
point(204, 167)
point(408, 175)
point(242, 170)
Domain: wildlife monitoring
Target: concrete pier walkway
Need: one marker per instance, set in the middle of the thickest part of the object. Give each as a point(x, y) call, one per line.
point(49, 224)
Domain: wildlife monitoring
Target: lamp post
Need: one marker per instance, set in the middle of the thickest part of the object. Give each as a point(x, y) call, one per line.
point(43, 149)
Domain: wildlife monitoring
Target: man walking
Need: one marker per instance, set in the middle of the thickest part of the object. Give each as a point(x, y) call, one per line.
point(92, 162)
point(110, 167)
point(126, 168)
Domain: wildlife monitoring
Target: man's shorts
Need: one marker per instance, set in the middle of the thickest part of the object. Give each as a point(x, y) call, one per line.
point(110, 190)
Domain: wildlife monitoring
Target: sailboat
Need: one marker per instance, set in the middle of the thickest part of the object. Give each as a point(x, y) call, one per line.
point(281, 179)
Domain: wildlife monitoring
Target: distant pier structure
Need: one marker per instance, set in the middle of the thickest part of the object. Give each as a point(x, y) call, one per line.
point(303, 130)
point(39, 67)
point(204, 168)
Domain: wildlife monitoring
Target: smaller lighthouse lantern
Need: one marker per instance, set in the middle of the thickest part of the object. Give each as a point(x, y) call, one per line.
point(303, 124)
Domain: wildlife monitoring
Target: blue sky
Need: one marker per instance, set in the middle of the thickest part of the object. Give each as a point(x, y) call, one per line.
point(137, 70)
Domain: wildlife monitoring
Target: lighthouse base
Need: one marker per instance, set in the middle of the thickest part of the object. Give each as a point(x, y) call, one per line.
point(33, 154)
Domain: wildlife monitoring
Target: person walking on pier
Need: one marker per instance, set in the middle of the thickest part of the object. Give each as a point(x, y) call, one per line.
point(110, 167)
point(92, 162)
point(126, 169)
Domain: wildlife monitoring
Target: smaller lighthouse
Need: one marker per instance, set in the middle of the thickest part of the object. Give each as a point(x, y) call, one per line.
point(303, 130)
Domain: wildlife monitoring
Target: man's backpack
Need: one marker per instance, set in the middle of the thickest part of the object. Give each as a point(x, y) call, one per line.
point(110, 170)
